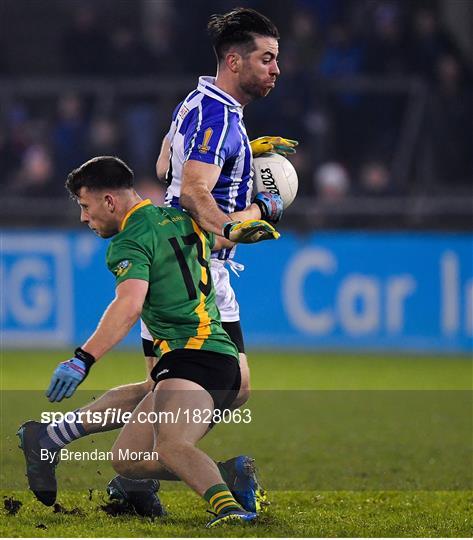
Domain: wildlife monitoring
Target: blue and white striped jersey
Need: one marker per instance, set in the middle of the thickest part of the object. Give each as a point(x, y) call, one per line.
point(208, 126)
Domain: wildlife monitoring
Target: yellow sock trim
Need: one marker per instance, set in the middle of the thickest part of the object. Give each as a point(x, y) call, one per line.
point(218, 495)
point(221, 500)
point(232, 504)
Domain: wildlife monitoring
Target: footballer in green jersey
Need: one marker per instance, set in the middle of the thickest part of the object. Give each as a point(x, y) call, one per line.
point(166, 247)
point(159, 257)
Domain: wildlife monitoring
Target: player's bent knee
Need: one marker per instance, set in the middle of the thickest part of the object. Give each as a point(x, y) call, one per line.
point(241, 399)
point(168, 449)
point(142, 388)
point(244, 392)
point(165, 450)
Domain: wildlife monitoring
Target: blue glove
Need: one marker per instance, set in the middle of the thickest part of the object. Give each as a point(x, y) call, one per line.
point(68, 375)
point(270, 205)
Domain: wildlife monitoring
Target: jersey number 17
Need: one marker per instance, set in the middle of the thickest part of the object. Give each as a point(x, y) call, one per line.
point(190, 240)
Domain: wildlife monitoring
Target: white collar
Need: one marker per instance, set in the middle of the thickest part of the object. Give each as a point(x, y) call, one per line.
point(207, 86)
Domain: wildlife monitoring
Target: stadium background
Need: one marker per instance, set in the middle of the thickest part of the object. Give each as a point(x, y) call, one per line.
point(359, 320)
point(379, 93)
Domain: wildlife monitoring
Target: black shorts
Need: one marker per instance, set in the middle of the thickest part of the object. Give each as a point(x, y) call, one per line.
point(233, 329)
point(217, 373)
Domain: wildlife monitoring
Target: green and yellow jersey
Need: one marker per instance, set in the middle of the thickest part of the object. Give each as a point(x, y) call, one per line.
point(167, 248)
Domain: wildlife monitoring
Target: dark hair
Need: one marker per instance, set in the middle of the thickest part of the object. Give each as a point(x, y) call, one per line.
point(238, 27)
point(101, 172)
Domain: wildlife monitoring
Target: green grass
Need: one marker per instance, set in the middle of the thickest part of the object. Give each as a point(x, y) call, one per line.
point(348, 445)
point(292, 514)
point(269, 371)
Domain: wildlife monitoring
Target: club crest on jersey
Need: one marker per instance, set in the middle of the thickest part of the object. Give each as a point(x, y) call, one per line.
point(122, 268)
point(204, 147)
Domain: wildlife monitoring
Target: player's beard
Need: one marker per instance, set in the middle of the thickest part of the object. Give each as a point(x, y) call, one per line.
point(254, 90)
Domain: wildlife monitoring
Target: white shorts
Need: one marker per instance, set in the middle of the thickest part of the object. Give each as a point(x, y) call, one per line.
point(224, 296)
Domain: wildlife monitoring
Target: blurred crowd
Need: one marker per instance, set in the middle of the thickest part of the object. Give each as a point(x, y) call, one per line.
point(351, 135)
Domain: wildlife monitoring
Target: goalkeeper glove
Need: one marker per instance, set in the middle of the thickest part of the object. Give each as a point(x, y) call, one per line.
point(275, 145)
point(68, 375)
point(270, 205)
point(249, 231)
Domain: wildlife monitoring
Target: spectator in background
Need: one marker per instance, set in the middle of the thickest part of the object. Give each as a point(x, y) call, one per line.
point(386, 58)
point(386, 49)
point(104, 138)
point(14, 140)
point(161, 36)
point(374, 180)
point(301, 49)
point(332, 183)
point(27, 163)
point(35, 177)
point(304, 39)
point(343, 58)
point(326, 12)
point(450, 124)
point(85, 43)
point(428, 43)
point(140, 133)
point(69, 134)
point(127, 55)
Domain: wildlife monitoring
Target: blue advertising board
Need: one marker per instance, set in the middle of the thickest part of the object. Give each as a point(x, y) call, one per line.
point(360, 290)
point(36, 280)
point(369, 291)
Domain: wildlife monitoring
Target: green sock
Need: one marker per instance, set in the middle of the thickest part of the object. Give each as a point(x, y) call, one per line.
point(220, 499)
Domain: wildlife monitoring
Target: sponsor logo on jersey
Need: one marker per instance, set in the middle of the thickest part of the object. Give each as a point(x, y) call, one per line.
point(183, 112)
point(204, 147)
point(122, 268)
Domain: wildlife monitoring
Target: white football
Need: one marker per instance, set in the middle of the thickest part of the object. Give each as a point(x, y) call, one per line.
point(276, 174)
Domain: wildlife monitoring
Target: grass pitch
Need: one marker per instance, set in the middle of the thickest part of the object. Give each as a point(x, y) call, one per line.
point(292, 514)
point(348, 446)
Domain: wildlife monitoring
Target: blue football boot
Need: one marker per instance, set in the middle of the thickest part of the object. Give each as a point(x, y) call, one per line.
point(239, 474)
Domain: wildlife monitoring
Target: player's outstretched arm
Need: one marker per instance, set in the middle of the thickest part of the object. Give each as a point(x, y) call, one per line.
point(115, 324)
point(198, 180)
point(275, 145)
